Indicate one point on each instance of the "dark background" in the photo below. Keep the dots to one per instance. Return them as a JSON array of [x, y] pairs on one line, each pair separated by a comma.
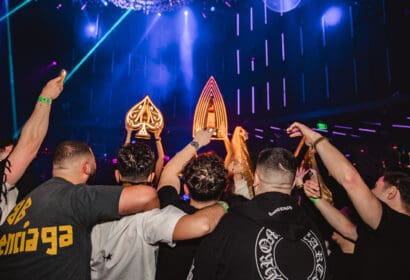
[[359, 79]]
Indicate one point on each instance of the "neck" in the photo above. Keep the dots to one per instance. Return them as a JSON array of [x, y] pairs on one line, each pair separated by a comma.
[[201, 204], [69, 177]]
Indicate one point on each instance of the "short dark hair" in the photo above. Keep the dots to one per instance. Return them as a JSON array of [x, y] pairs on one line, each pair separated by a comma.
[[277, 160], [69, 149], [4, 142], [205, 177], [136, 160], [402, 181]]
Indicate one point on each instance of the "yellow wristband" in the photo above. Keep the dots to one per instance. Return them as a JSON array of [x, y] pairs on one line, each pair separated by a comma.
[[43, 99]]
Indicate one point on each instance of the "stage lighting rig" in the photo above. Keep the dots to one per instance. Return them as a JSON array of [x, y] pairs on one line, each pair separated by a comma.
[[150, 6]]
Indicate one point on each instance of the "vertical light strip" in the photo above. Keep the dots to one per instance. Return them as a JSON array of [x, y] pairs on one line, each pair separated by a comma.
[[302, 79], [284, 91], [384, 11], [283, 46], [238, 65], [267, 96], [327, 82], [323, 32], [253, 100], [11, 74], [356, 86], [238, 101], [265, 12], [301, 40], [237, 25], [129, 63], [351, 22], [266, 53], [252, 64], [251, 18], [388, 66]]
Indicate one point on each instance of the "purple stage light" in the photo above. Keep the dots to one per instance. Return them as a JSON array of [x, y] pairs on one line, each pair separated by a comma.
[[367, 130], [114, 160], [400, 126], [54, 63], [212, 9], [275, 128], [343, 127], [258, 136], [332, 16], [83, 6], [228, 4], [186, 12], [59, 6], [259, 129], [338, 133]]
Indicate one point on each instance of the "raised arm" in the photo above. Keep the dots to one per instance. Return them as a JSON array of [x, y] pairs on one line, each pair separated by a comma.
[[34, 130], [200, 223], [171, 170], [139, 198], [160, 154], [344, 173], [332, 215]]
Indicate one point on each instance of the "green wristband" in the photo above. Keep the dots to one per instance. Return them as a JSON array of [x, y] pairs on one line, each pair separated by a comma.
[[315, 199], [223, 204], [42, 99]]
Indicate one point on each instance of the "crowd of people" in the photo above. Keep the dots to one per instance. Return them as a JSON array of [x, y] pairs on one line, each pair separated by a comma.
[[142, 228]]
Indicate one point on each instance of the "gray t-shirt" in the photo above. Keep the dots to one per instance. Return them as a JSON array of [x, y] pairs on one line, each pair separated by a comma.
[[126, 249]]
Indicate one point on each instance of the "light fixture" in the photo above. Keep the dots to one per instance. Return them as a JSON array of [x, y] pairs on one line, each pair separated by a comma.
[[150, 6]]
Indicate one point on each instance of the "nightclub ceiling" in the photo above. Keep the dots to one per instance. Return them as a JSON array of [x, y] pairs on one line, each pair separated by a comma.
[[343, 64]]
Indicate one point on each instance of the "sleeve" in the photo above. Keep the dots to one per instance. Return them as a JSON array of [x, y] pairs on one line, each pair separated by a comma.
[[385, 221], [168, 196], [210, 255], [159, 225], [93, 204]]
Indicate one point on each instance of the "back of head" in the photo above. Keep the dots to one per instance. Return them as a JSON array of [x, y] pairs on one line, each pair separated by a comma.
[[205, 177], [402, 181], [68, 151], [276, 167], [136, 161]]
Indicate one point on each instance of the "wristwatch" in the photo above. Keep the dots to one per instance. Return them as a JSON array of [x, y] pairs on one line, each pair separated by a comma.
[[194, 144]]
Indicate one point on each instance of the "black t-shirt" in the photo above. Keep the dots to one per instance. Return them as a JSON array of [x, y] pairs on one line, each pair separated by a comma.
[[268, 237], [47, 235], [175, 262], [384, 253]]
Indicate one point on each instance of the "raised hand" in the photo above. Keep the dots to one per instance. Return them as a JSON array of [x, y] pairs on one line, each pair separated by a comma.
[[55, 86], [203, 137], [297, 129]]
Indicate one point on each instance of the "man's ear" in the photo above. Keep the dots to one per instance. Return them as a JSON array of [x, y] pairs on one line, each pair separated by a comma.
[[117, 175], [151, 177], [86, 168], [392, 192], [186, 190]]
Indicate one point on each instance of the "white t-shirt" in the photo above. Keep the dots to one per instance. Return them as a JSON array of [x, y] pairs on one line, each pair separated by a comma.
[[12, 193], [126, 249]]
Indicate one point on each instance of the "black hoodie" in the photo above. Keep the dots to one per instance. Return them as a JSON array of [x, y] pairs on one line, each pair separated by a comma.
[[268, 237]]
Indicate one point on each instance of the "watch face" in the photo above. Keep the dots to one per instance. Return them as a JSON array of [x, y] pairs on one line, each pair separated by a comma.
[[195, 144]]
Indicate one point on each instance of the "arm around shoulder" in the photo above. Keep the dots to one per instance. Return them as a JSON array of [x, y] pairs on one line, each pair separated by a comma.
[[137, 199]]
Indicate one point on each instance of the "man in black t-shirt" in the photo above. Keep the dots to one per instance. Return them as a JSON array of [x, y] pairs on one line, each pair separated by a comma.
[[382, 241], [268, 237], [47, 235], [205, 178]]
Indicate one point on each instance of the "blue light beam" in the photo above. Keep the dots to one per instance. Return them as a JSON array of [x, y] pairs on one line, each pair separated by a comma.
[[14, 10], [90, 52], [11, 73]]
